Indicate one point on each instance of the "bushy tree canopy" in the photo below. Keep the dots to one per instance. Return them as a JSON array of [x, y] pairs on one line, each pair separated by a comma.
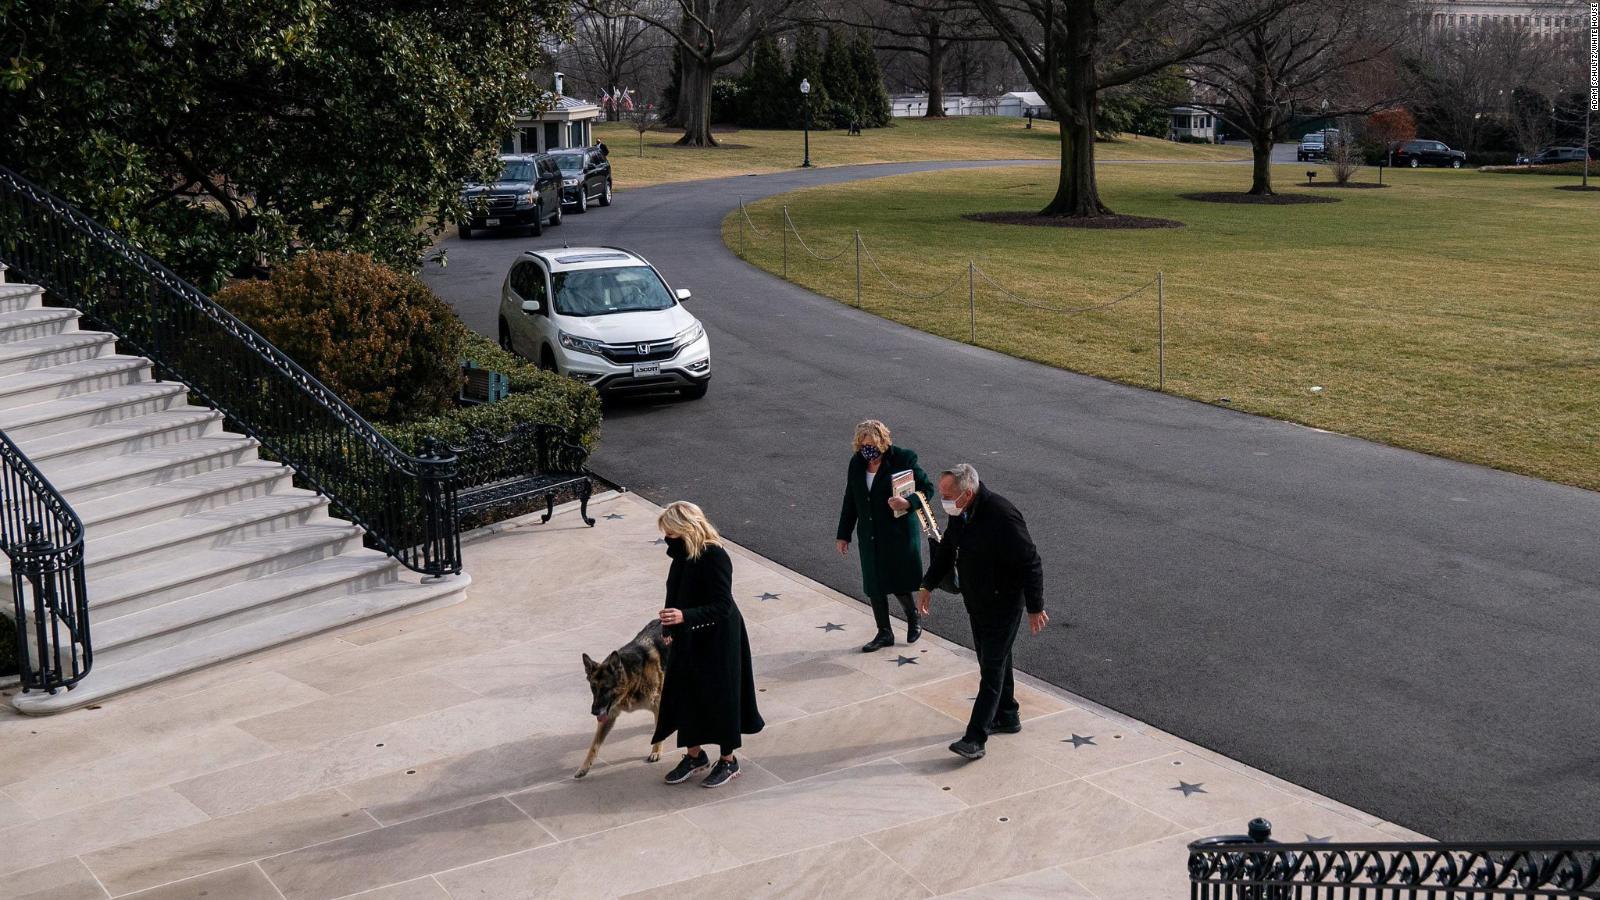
[[226, 136]]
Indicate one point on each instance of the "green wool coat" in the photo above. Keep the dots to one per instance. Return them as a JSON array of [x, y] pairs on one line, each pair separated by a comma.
[[890, 547]]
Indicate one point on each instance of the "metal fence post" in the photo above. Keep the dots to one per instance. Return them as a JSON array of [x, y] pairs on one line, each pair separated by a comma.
[[858, 268], [1161, 334], [972, 305], [786, 242], [741, 219]]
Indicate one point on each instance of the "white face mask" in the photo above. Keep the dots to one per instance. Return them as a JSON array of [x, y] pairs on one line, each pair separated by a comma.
[[950, 508]]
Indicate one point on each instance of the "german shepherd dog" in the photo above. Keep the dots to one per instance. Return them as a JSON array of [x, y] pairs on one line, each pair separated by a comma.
[[629, 679]]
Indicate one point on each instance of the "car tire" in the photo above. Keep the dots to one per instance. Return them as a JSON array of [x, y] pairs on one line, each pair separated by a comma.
[[605, 195], [555, 217], [464, 232], [583, 201], [1455, 163], [537, 227], [505, 337], [1414, 164], [695, 392], [547, 360]]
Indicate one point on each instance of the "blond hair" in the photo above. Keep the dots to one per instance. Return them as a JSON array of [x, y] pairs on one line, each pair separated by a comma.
[[871, 432], [683, 519]]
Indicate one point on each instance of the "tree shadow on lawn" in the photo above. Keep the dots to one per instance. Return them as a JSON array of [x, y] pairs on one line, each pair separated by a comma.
[[1113, 221], [1256, 199]]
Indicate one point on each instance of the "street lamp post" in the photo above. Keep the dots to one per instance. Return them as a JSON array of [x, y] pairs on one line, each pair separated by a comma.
[[805, 100]]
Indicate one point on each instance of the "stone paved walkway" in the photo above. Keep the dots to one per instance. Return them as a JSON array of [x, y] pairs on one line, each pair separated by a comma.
[[431, 757]]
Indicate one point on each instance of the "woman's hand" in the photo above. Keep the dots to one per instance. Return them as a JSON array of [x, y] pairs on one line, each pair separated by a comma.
[[671, 617], [899, 504], [844, 547]]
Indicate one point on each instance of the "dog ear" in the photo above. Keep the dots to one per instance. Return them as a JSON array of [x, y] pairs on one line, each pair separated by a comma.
[[589, 665]]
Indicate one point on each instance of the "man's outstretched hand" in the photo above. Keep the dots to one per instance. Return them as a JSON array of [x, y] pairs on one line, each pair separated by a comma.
[[1037, 621], [924, 601]]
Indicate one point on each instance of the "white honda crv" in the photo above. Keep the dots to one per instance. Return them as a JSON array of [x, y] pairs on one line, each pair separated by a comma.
[[605, 317]]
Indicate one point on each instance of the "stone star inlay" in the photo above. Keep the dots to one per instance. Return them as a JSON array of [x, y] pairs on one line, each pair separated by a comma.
[[768, 595], [904, 661], [660, 540], [1313, 839], [613, 515], [1188, 788], [1080, 740], [831, 627]]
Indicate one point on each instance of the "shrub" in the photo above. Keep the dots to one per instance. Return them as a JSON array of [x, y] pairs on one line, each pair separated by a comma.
[[1573, 168], [8, 646], [378, 338]]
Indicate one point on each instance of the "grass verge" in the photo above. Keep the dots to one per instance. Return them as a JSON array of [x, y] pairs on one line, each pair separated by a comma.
[[1452, 314]]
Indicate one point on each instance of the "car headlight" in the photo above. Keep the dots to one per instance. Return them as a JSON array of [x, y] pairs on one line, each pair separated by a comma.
[[689, 335], [530, 198], [580, 344], [569, 182]]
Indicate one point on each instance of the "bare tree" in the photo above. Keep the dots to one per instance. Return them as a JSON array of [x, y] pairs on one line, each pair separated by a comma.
[[1271, 75], [927, 29], [1071, 50], [1467, 79], [1345, 156], [710, 34], [613, 51]]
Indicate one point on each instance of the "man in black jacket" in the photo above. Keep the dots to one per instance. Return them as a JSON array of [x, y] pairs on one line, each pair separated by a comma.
[[1000, 574]]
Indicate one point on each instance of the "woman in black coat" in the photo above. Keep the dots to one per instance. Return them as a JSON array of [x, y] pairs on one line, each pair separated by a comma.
[[891, 545], [709, 693]]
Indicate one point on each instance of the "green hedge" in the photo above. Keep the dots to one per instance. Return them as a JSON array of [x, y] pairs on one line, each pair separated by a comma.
[[8, 647], [1574, 168], [536, 396]]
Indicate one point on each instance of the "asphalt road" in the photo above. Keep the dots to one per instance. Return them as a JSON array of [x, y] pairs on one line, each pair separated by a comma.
[[1412, 636]]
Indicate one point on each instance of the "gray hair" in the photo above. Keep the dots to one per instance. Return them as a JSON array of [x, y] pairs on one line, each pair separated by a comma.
[[964, 475]]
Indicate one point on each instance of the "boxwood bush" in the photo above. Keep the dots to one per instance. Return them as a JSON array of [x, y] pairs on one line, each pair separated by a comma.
[[8, 646]]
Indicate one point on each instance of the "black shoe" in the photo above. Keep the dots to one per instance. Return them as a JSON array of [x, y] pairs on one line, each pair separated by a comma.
[[969, 749], [723, 772], [884, 639], [687, 767], [913, 631], [1004, 727]]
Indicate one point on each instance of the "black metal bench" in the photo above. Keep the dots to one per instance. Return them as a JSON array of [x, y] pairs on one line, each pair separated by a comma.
[[535, 461]]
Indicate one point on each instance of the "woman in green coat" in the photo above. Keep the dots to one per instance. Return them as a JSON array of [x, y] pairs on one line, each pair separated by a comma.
[[891, 545]]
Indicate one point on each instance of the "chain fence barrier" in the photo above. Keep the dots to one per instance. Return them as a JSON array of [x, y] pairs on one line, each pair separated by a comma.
[[973, 274]]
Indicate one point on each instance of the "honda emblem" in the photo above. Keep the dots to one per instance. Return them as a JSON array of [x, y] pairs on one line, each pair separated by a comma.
[[643, 349]]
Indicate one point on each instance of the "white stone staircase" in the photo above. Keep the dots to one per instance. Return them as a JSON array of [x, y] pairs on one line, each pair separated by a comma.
[[196, 551]]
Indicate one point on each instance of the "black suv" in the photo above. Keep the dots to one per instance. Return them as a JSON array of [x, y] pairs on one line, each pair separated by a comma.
[[1427, 153], [585, 177], [527, 194], [1553, 155]]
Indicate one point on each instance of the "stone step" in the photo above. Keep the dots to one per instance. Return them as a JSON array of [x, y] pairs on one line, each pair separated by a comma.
[[172, 542], [201, 616], [20, 296], [40, 321], [55, 350], [25, 423], [82, 377], [397, 597], [116, 594], [147, 468], [169, 500], [100, 442]]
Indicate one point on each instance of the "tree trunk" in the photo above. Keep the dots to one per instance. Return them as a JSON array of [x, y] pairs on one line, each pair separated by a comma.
[[1076, 193], [694, 103], [936, 51], [1261, 167]]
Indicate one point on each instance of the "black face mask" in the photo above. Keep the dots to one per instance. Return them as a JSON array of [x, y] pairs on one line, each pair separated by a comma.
[[677, 548], [870, 453]]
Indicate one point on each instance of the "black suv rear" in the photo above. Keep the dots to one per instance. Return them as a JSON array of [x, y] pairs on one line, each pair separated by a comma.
[[1427, 153], [585, 178], [527, 194]]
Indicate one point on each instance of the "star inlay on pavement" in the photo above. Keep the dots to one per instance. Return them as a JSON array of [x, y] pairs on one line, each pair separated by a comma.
[[831, 627], [660, 540], [1188, 788], [1080, 740], [614, 515], [904, 661], [768, 595], [1313, 839]]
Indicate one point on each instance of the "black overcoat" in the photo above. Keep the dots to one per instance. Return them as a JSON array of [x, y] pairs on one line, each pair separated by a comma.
[[890, 546], [709, 695], [995, 559]]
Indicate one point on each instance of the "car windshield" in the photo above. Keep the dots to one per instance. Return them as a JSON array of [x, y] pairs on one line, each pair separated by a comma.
[[570, 162], [517, 170], [599, 292], [1312, 140]]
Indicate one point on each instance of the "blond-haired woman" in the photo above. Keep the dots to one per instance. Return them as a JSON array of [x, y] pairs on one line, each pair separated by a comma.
[[709, 694], [890, 547]]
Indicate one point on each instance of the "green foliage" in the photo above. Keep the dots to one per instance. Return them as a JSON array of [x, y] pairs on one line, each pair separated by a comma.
[[1141, 107], [767, 94], [378, 338], [806, 64], [224, 137], [727, 100], [841, 79], [8, 646], [873, 109], [536, 396]]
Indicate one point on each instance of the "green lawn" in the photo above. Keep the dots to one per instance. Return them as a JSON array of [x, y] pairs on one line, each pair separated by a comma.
[[965, 137], [1453, 313]]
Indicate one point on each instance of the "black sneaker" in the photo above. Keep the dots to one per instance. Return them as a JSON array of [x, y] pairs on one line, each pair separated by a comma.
[[723, 772], [884, 639], [968, 749], [1002, 726], [687, 767]]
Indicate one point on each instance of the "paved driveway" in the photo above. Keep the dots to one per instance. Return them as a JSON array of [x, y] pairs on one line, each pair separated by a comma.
[[1409, 635]]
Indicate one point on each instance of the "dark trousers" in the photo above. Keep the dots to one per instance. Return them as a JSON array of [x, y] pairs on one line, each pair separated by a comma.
[[992, 637], [880, 611]]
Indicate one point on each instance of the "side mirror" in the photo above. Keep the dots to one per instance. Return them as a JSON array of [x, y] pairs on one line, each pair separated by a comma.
[[530, 306], [683, 294]]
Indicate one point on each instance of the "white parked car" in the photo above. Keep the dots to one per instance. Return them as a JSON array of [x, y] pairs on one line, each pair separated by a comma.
[[604, 316]]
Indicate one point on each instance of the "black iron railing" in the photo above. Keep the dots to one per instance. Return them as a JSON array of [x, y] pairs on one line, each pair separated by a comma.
[[44, 539], [1254, 867], [534, 461], [405, 503]]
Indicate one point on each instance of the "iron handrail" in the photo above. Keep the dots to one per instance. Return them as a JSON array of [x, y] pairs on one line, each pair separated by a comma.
[[406, 504], [1254, 867], [43, 537]]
